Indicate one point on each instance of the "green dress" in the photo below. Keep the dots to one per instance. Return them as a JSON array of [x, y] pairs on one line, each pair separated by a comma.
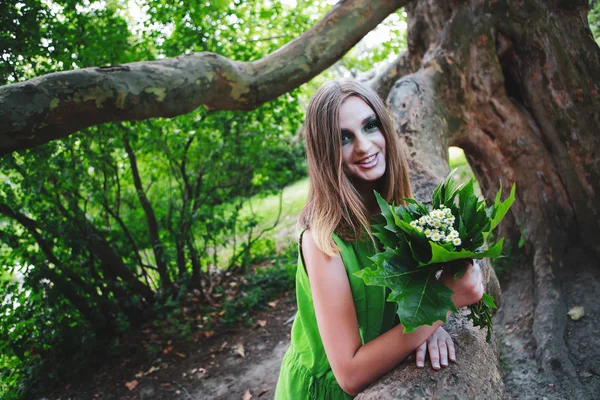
[[305, 370]]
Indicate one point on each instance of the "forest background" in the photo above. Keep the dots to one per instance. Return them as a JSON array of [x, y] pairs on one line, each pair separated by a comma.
[[123, 225]]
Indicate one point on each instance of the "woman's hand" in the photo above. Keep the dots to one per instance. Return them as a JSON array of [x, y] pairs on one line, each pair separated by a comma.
[[440, 347], [468, 289]]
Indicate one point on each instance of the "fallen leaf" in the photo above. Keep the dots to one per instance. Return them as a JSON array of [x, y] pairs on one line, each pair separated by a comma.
[[247, 395], [208, 334], [151, 370], [131, 385], [273, 303], [261, 323], [262, 392], [139, 375], [223, 345], [181, 355], [167, 350], [240, 350], [576, 313]]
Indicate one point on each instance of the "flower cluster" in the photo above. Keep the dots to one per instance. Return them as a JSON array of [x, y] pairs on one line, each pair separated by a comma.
[[438, 226]]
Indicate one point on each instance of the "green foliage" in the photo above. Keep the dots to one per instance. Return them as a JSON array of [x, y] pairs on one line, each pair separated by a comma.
[[74, 227], [594, 19], [411, 254], [262, 285]]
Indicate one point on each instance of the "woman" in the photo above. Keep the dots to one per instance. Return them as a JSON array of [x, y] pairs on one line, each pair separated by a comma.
[[343, 337]]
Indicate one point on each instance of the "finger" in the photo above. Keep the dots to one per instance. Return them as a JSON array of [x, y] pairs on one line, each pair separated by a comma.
[[451, 350], [434, 354], [443, 353], [420, 354]]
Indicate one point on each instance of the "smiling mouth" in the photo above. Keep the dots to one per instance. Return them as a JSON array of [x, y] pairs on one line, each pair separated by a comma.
[[368, 159]]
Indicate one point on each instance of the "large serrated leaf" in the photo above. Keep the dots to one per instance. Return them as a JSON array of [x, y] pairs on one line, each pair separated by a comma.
[[422, 299]]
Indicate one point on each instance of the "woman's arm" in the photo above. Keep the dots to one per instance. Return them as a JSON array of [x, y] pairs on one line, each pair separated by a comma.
[[354, 365]]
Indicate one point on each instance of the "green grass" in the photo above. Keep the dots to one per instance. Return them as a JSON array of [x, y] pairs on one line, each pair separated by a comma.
[[266, 208]]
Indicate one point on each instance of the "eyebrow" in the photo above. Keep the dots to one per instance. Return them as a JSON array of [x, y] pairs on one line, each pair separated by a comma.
[[364, 121]]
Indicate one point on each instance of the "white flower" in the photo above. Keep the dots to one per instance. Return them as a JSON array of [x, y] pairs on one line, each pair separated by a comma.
[[428, 232], [456, 241], [413, 224], [420, 229], [435, 237], [436, 223], [429, 220], [422, 221]]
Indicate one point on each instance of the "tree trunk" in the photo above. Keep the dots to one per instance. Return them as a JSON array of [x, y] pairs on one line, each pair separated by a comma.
[[157, 245], [516, 86]]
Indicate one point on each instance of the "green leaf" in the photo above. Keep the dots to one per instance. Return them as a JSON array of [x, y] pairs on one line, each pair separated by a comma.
[[387, 212], [501, 208], [422, 299], [489, 301]]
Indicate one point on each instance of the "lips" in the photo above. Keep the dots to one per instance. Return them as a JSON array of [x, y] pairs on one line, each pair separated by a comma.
[[368, 162]]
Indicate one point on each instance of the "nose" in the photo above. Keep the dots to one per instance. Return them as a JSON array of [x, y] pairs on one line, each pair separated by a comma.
[[363, 144]]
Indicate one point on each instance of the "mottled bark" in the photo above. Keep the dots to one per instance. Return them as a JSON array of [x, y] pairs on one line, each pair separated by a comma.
[[515, 84], [56, 105]]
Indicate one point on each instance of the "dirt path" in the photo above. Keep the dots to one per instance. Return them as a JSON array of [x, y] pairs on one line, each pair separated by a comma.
[[523, 377], [234, 360]]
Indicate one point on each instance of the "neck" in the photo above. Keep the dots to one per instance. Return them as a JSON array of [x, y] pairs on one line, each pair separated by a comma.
[[366, 192]]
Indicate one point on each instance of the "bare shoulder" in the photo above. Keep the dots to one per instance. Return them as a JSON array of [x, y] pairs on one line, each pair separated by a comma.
[[316, 261]]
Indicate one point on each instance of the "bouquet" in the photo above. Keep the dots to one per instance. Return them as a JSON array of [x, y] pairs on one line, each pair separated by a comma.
[[418, 240]]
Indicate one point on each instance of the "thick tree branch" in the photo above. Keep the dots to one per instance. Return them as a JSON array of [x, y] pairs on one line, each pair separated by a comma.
[[382, 82], [56, 105]]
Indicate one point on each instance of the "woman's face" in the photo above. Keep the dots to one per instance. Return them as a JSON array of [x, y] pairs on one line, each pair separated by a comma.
[[363, 144]]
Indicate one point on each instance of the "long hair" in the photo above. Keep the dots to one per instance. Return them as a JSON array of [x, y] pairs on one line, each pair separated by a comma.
[[334, 204]]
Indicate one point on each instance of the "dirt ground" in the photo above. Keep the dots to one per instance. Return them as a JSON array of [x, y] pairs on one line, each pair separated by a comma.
[[234, 363], [242, 363]]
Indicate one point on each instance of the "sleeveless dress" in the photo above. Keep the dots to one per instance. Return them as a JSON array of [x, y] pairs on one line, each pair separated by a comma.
[[305, 371]]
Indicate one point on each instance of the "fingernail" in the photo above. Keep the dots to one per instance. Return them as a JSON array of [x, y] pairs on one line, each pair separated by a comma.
[[436, 365], [444, 363], [420, 364]]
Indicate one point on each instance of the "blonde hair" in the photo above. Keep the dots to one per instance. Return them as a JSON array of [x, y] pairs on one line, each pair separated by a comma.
[[334, 204]]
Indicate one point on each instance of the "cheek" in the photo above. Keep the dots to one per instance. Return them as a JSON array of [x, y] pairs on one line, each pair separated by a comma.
[[346, 155], [381, 142]]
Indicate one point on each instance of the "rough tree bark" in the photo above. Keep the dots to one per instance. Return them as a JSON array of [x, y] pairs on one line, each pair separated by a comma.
[[515, 84]]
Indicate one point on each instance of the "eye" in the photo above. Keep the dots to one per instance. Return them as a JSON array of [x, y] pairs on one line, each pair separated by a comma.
[[371, 125], [346, 138]]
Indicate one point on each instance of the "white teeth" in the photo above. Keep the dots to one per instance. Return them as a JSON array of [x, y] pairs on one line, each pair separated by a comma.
[[367, 160]]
